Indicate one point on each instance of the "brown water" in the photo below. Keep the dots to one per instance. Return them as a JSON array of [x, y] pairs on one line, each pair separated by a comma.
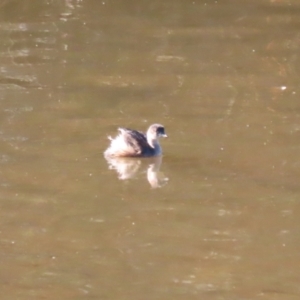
[[217, 217]]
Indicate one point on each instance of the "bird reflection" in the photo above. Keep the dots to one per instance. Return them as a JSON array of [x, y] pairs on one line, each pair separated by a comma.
[[127, 168]]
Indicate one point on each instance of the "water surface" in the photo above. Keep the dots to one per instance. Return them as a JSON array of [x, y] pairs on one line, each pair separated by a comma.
[[217, 217]]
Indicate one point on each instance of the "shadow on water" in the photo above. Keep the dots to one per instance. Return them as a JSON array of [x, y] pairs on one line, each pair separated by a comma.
[[128, 168]]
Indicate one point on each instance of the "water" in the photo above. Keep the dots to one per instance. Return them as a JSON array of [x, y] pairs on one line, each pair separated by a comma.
[[216, 217]]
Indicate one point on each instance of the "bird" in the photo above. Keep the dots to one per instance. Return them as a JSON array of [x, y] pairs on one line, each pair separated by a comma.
[[133, 143]]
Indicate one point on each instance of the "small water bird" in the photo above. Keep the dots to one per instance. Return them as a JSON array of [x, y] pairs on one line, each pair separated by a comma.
[[133, 143]]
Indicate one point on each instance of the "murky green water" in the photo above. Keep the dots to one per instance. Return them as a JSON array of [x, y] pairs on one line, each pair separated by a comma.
[[217, 217]]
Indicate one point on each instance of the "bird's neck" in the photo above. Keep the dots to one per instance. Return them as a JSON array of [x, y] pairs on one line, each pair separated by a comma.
[[152, 142]]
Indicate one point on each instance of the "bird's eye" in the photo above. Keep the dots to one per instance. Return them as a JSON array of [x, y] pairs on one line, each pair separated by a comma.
[[160, 130]]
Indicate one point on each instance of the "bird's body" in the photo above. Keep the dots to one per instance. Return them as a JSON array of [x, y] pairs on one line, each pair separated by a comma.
[[133, 143]]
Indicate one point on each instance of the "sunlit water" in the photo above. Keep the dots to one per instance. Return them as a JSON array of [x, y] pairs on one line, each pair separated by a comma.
[[217, 217]]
